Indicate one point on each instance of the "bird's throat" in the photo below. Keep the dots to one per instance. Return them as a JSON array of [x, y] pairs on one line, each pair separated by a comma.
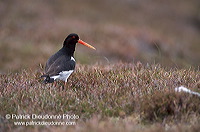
[[69, 49]]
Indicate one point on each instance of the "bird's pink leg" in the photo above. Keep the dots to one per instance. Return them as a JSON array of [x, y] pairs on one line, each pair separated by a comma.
[[55, 83]]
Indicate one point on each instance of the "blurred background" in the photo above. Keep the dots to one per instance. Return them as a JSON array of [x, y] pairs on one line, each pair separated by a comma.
[[150, 31]]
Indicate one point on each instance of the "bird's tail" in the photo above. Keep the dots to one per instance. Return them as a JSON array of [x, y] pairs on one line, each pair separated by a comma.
[[47, 79]]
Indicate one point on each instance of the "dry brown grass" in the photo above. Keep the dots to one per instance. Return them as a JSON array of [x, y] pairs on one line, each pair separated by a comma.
[[110, 97]]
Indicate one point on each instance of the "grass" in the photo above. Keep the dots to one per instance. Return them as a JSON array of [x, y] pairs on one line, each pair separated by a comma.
[[110, 97]]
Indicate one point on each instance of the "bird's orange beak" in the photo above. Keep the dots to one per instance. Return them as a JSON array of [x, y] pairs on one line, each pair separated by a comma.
[[86, 44]]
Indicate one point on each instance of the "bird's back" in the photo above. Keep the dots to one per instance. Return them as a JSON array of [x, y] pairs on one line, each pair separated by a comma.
[[52, 59], [59, 62]]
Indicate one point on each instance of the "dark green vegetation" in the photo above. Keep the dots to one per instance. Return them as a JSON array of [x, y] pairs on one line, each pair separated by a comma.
[[121, 95], [112, 96]]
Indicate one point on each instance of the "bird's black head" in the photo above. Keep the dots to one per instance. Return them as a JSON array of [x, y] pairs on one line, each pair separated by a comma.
[[71, 39], [70, 43]]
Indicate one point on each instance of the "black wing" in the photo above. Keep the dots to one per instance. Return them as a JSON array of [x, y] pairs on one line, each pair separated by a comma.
[[63, 63], [51, 60]]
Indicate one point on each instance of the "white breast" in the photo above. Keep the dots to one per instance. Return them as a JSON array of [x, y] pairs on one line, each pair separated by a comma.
[[72, 58], [64, 75]]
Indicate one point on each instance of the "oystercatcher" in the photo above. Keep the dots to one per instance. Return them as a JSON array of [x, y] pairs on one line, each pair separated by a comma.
[[61, 65]]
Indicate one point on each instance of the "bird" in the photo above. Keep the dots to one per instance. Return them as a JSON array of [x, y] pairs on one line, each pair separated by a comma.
[[62, 64]]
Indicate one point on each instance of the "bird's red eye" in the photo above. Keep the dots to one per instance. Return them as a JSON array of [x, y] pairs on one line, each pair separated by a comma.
[[73, 37]]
